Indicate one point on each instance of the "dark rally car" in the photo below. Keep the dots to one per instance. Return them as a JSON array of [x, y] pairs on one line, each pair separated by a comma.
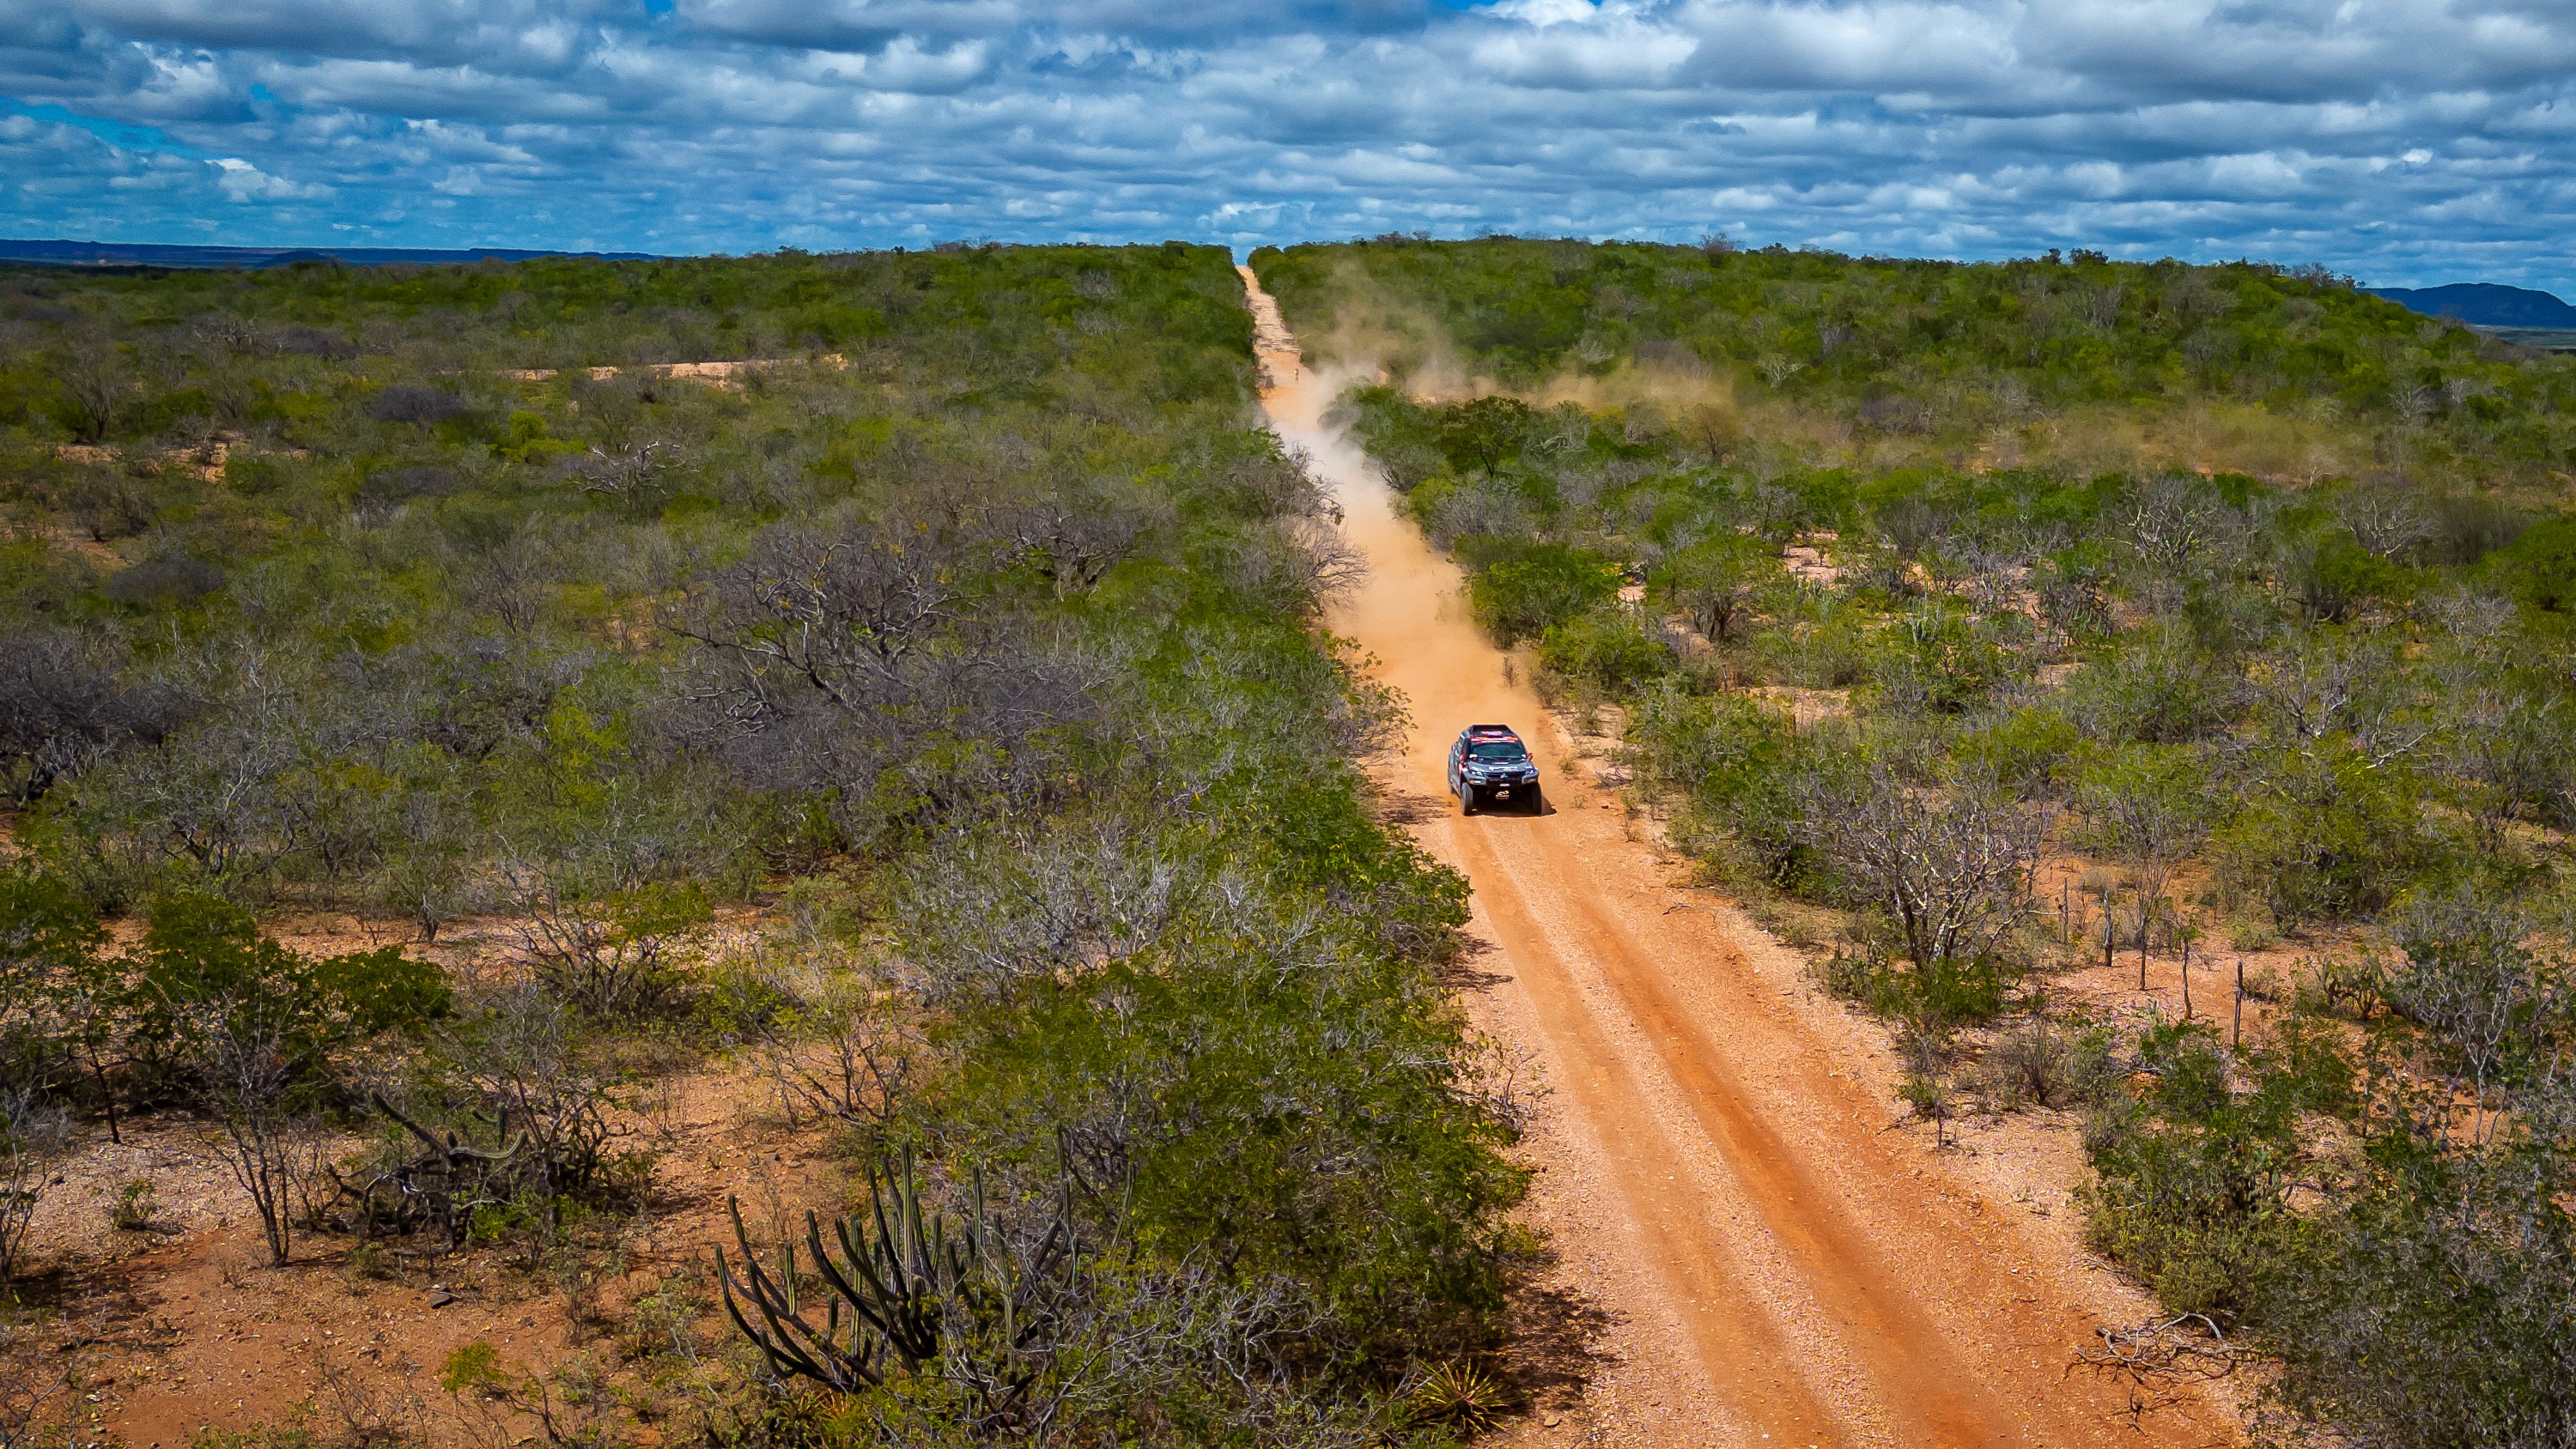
[[1490, 763]]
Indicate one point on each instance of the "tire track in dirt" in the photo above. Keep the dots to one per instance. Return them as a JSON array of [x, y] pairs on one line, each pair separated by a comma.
[[1738, 1346], [1783, 1267]]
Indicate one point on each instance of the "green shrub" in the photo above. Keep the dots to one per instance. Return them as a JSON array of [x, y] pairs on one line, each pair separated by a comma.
[[1520, 589], [2539, 568], [2332, 576], [1606, 650], [1736, 762], [1482, 434], [203, 953], [2158, 690], [2323, 835], [2432, 1310], [2029, 747], [135, 1208], [1938, 658], [2193, 1183]]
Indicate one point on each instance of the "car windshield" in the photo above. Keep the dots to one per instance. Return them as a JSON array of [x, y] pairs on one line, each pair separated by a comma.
[[1497, 750]]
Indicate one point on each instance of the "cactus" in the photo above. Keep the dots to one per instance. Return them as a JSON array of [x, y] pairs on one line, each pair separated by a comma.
[[908, 1293], [1460, 1394]]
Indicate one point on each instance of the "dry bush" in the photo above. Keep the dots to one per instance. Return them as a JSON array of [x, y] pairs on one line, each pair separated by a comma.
[[1949, 865], [39, 1392], [850, 1053], [618, 955], [512, 1117], [2030, 1066], [33, 1132], [272, 1150]]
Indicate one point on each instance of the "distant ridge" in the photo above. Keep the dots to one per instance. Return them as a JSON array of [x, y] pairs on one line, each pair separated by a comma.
[[2483, 304], [129, 254]]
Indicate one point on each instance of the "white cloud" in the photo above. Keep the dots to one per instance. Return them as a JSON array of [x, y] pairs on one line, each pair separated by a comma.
[[2403, 139], [241, 181]]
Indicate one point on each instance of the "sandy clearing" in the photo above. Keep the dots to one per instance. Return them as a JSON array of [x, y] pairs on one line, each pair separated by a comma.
[[1718, 1163]]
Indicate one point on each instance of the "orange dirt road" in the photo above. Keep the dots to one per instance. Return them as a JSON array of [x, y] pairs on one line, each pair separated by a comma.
[[1717, 1169]]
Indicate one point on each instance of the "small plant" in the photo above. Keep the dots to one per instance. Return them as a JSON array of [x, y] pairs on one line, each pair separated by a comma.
[[1926, 1085], [135, 1208], [367, 1259], [1929, 1095], [1460, 1394], [472, 1368], [2252, 932], [1853, 978], [661, 1322], [567, 1405], [2341, 986]]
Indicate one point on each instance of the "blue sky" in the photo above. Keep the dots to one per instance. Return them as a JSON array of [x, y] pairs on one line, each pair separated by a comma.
[[2405, 141]]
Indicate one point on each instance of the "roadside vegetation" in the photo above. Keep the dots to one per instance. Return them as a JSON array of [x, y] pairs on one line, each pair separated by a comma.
[[2000, 630], [926, 724]]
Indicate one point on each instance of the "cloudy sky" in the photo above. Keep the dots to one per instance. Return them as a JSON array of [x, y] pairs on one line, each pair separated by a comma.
[[2406, 141]]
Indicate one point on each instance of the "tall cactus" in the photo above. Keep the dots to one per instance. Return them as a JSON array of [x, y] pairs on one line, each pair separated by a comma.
[[906, 1294]]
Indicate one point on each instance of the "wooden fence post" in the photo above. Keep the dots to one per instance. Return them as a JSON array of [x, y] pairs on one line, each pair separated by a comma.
[[2236, 1036], [2142, 942]]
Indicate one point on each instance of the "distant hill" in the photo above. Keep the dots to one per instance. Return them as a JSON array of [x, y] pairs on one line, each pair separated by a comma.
[[125, 254], [2484, 304]]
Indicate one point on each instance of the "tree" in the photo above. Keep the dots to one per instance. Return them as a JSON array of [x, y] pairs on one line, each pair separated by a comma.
[[2464, 971], [1716, 430], [1718, 581], [48, 938], [403, 403], [62, 995], [2320, 834], [256, 1031], [62, 708], [1520, 589], [2539, 567], [210, 981], [2150, 806], [639, 477], [1949, 862], [1077, 536], [2511, 748], [1481, 435], [872, 661], [108, 500], [2428, 1306], [99, 392]]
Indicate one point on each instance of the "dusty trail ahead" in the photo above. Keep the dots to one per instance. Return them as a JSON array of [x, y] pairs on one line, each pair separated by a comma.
[[1715, 1161]]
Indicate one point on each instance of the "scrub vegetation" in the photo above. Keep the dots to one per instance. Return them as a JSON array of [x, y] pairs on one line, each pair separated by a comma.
[[1988, 624], [925, 721]]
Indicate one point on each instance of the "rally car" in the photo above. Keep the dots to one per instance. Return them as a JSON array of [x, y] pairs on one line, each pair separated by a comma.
[[1489, 763]]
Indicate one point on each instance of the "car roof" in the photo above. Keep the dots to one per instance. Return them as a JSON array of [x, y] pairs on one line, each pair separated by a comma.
[[1488, 732]]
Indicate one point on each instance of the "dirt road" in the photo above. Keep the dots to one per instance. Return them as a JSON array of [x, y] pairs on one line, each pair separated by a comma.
[[1717, 1162]]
